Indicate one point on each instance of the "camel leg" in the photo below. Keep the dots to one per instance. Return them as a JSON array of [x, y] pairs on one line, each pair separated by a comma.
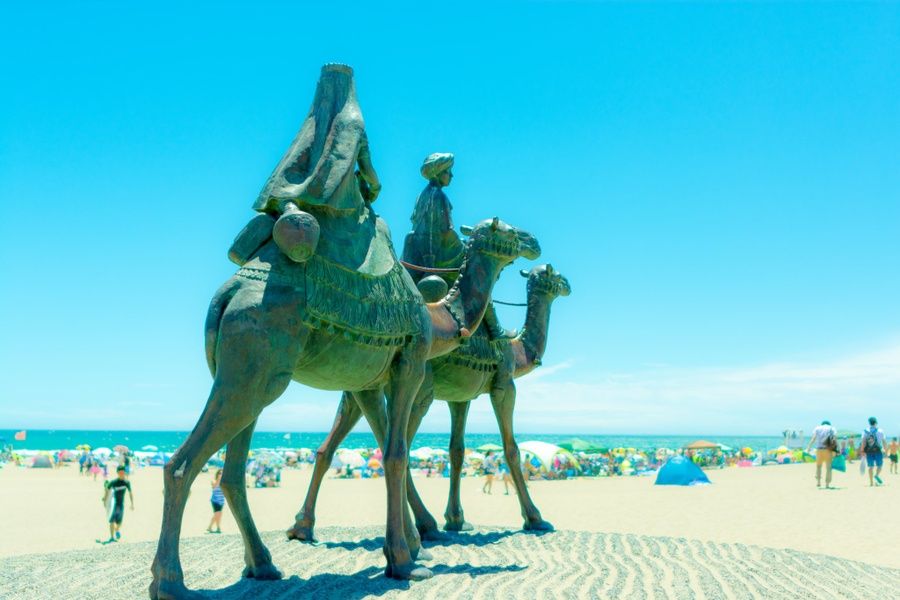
[[348, 415], [248, 378], [454, 513], [228, 412], [406, 377], [503, 399], [256, 556], [371, 402], [425, 523]]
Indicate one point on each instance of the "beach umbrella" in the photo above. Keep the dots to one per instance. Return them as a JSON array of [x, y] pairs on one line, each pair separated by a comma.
[[121, 449], [349, 457], [423, 453], [150, 448], [489, 447], [439, 452], [374, 464], [725, 448], [478, 456], [580, 445], [86, 447], [701, 445], [102, 451]]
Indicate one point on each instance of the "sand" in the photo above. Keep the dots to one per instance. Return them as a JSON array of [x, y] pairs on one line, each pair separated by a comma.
[[754, 532]]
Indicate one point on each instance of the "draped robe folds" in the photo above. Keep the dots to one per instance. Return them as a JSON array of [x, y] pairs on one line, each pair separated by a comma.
[[432, 241]]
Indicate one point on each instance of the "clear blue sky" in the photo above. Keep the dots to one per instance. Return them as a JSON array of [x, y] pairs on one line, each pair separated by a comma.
[[721, 184]]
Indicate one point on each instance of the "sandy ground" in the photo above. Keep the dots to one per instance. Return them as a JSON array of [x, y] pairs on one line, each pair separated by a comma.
[[488, 564], [778, 507]]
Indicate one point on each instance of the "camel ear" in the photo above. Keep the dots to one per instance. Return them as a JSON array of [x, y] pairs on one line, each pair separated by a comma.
[[495, 223], [549, 269], [524, 273], [465, 230]]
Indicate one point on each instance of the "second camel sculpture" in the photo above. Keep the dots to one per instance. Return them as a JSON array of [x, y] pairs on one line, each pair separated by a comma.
[[481, 365]]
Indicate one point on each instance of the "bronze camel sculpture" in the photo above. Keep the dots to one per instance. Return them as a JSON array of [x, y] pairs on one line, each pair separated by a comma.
[[323, 301]]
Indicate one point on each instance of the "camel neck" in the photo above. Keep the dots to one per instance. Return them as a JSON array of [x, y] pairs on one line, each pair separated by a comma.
[[537, 324], [471, 292]]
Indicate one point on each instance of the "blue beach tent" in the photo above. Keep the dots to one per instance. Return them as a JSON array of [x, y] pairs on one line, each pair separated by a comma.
[[679, 470]]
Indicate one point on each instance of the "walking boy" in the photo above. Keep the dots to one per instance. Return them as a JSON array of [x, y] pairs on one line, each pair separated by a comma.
[[117, 487]]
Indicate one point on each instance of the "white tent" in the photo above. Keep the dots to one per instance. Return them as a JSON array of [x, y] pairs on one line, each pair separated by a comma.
[[544, 451]]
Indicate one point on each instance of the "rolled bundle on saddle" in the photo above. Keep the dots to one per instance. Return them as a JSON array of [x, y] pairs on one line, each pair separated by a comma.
[[296, 233]]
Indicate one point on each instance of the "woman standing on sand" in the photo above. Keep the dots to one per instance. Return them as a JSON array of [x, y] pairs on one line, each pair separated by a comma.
[[490, 469], [218, 503]]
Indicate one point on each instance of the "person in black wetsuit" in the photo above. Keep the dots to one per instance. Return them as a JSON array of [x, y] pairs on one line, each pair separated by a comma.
[[117, 487]]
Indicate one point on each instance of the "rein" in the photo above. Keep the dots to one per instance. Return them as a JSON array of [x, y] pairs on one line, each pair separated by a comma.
[[427, 269], [451, 270]]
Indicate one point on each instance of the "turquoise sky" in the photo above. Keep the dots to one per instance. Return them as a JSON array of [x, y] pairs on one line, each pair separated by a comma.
[[720, 183]]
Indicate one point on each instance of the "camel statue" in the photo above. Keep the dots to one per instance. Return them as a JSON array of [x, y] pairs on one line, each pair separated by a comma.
[[321, 299], [479, 366]]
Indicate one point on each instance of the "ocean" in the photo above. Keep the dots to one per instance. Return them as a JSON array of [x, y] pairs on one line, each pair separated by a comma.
[[37, 439]]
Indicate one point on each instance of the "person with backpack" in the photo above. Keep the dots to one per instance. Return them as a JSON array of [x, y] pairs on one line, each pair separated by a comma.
[[825, 438], [874, 446]]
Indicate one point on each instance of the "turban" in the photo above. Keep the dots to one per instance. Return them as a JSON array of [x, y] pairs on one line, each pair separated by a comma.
[[436, 164]]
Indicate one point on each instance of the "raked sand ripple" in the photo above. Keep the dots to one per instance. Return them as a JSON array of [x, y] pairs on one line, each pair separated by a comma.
[[489, 563]]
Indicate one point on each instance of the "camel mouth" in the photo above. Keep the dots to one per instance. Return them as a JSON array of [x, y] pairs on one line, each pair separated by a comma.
[[529, 248]]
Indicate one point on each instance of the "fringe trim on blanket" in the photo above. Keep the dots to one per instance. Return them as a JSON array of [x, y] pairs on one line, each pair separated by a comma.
[[371, 310]]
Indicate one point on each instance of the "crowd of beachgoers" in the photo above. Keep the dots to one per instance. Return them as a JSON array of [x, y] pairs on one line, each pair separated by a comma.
[[539, 460]]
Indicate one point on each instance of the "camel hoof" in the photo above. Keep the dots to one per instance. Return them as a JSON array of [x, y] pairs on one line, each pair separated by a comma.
[[458, 526], [263, 572], [409, 572], [539, 525], [172, 590], [433, 535], [301, 533], [424, 554]]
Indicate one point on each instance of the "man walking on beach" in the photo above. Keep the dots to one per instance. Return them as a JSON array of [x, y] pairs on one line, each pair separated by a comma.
[[825, 438], [874, 446], [117, 487]]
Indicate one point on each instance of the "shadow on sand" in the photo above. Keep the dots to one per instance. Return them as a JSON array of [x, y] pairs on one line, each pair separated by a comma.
[[454, 539], [362, 584]]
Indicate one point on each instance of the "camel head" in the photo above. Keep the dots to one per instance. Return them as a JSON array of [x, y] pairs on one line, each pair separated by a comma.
[[495, 238], [546, 281]]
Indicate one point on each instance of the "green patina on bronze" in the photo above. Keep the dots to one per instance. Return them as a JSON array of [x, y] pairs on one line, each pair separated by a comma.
[[433, 242], [324, 303]]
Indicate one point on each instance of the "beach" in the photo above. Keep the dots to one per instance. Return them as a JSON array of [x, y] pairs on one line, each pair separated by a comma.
[[772, 507]]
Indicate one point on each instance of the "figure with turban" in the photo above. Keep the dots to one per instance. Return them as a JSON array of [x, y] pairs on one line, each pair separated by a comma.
[[433, 243]]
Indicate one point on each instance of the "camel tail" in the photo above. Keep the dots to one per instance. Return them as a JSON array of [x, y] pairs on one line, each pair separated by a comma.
[[217, 307]]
